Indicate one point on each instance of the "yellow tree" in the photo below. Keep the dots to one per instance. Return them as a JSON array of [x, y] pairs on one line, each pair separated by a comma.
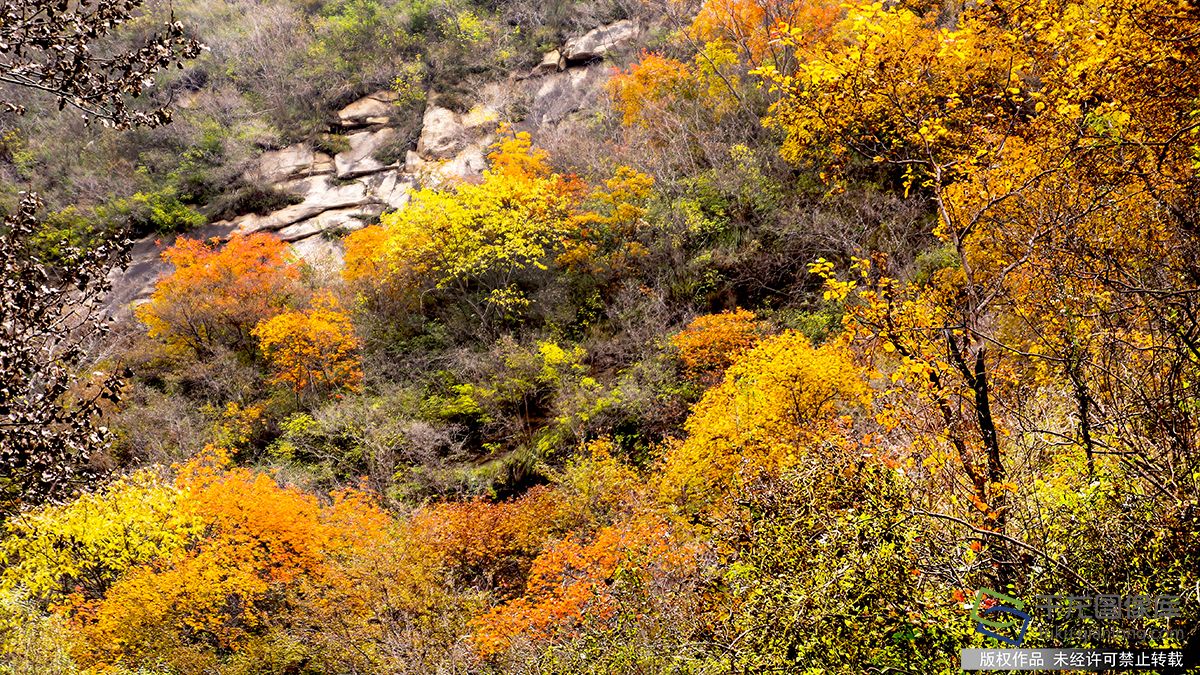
[[781, 403], [1054, 141], [479, 241], [313, 351]]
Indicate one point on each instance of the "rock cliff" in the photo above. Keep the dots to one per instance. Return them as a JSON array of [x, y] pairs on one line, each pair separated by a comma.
[[374, 170]]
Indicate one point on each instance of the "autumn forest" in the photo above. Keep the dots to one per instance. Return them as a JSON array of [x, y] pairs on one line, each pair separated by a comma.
[[607, 336]]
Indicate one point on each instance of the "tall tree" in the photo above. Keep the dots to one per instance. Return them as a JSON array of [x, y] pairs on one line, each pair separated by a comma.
[[50, 309]]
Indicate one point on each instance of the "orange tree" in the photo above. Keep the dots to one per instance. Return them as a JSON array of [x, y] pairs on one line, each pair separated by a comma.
[[710, 343], [677, 102], [217, 294]]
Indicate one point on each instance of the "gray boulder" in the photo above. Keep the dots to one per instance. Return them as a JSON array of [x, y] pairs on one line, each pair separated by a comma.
[[371, 109], [359, 159], [596, 43], [276, 166], [552, 62], [442, 133], [558, 95]]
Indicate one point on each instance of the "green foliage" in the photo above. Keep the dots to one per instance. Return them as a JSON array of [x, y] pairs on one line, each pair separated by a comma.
[[931, 260], [818, 324], [33, 643], [160, 212], [833, 561], [68, 228]]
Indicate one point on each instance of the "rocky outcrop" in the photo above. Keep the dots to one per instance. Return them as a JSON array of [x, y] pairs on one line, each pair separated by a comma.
[[595, 44], [323, 194], [441, 133], [370, 110], [558, 95], [275, 166], [552, 62], [445, 133], [390, 189], [360, 159], [343, 192]]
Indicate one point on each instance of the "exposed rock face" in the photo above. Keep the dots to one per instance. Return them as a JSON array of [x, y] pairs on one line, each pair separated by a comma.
[[596, 43], [359, 160], [135, 283], [390, 188], [324, 194], [375, 108], [275, 166], [445, 133], [560, 94], [335, 221], [552, 62], [441, 133]]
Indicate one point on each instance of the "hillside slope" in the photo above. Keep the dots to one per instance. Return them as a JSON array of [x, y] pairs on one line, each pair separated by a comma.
[[727, 336]]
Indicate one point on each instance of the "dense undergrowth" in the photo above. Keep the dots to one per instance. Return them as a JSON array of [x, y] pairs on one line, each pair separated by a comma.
[[865, 308]]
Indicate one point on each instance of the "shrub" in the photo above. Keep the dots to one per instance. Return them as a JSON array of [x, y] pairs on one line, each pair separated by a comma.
[[776, 405], [250, 198], [159, 212], [710, 343]]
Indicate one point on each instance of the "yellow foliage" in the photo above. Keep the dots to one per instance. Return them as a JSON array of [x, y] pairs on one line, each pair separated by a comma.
[[470, 235], [313, 350], [775, 407], [84, 546]]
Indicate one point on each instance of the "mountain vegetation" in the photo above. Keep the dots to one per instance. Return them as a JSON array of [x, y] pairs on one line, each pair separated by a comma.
[[807, 321]]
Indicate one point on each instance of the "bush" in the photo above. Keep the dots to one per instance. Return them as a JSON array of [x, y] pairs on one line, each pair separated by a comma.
[[709, 344], [250, 198], [159, 212]]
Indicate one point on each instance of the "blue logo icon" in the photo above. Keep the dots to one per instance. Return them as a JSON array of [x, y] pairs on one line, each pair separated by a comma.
[[1000, 616]]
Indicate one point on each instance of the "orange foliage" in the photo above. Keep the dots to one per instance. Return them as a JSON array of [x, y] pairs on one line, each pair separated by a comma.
[[751, 25], [362, 247], [313, 350], [514, 156], [259, 538], [731, 39], [568, 584], [710, 343], [655, 78], [492, 539], [606, 239], [217, 294]]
